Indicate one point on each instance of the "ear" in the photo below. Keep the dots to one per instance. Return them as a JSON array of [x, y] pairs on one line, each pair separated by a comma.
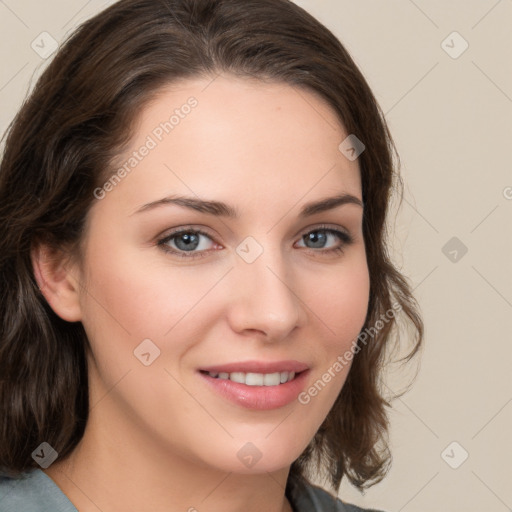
[[53, 271]]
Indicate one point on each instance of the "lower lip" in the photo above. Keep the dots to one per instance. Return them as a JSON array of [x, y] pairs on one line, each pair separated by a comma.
[[258, 397]]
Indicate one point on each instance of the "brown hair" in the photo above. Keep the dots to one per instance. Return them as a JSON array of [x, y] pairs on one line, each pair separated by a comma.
[[60, 146]]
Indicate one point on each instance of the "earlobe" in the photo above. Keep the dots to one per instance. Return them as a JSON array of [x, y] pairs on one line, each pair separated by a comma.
[[53, 272]]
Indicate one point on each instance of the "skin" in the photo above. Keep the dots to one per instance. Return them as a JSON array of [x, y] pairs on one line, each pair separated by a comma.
[[158, 438]]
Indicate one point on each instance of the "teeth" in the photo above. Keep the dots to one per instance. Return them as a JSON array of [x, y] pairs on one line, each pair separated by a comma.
[[272, 379], [236, 377], [256, 379]]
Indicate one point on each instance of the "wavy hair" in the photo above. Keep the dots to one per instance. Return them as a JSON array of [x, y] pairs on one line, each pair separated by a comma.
[[60, 147]]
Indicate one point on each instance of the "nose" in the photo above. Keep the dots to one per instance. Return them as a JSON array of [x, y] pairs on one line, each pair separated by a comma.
[[264, 299]]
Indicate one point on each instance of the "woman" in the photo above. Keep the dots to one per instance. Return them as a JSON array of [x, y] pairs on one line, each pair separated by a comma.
[[197, 295]]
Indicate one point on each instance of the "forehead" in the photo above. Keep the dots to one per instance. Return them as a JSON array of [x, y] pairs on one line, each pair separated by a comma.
[[227, 135]]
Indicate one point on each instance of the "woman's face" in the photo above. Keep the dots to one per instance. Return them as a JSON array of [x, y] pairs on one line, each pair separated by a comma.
[[242, 291]]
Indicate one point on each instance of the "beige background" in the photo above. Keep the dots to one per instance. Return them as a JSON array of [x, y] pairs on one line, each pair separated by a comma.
[[452, 122]]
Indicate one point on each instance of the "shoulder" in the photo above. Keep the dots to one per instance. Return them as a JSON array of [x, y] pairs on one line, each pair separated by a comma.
[[33, 491], [306, 497]]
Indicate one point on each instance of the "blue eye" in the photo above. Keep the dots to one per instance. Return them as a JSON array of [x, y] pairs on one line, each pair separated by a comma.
[[185, 240], [319, 238], [193, 243]]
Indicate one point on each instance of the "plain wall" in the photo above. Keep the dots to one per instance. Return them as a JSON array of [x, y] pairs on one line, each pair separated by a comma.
[[451, 118]]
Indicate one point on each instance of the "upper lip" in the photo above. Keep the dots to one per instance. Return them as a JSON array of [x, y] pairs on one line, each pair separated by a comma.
[[258, 367]]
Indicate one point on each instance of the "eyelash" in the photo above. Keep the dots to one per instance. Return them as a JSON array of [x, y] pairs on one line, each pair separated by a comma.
[[344, 237]]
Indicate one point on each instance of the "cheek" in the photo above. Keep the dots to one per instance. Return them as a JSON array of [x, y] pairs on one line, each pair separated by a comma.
[[130, 288], [131, 296], [341, 305], [341, 301]]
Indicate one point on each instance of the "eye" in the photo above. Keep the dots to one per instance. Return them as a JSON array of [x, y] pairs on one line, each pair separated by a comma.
[[194, 243], [191, 241], [320, 237]]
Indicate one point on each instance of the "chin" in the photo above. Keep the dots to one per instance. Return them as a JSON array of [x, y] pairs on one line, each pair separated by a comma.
[[256, 454]]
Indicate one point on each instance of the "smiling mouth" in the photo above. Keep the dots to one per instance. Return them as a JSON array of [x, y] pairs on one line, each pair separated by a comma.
[[255, 379]]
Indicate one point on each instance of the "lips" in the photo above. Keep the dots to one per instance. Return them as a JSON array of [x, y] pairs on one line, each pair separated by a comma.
[[257, 384]]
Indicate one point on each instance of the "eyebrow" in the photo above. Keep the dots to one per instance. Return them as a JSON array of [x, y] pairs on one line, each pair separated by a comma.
[[221, 209]]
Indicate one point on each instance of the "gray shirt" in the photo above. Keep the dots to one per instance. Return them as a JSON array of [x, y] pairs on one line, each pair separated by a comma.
[[35, 491]]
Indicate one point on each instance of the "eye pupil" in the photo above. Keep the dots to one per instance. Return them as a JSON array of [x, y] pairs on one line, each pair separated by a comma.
[[189, 240], [318, 238]]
